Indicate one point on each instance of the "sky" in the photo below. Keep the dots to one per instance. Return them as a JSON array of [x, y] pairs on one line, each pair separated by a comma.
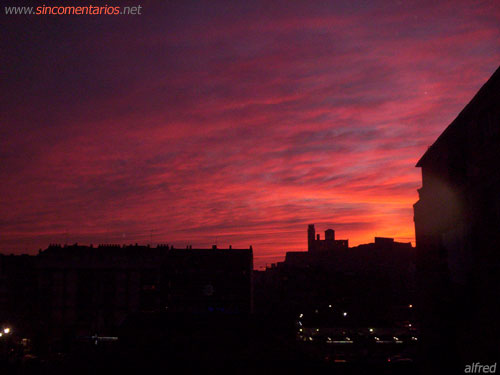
[[230, 123]]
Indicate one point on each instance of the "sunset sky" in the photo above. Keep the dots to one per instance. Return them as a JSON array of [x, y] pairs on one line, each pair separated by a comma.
[[236, 122]]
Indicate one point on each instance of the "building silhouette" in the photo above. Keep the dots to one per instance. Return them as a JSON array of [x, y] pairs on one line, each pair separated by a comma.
[[78, 291], [315, 244], [380, 273], [131, 306], [457, 227], [18, 292]]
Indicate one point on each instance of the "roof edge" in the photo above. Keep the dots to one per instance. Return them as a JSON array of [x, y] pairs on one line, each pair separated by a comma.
[[495, 76]]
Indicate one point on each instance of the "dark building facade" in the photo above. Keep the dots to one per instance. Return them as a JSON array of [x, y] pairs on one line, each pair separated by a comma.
[[18, 293], [457, 227], [85, 290]]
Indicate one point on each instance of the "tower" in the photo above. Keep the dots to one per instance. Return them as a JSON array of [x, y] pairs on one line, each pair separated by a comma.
[[311, 232], [330, 235]]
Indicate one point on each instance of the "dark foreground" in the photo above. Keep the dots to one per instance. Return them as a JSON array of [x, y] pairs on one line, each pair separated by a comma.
[[205, 344]]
